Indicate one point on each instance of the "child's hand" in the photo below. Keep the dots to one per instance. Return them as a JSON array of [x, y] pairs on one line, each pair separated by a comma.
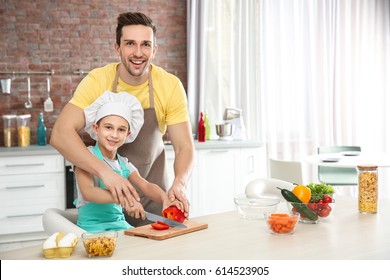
[[136, 211]]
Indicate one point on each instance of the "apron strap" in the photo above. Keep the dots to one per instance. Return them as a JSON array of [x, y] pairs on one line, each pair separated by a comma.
[[115, 83], [151, 95]]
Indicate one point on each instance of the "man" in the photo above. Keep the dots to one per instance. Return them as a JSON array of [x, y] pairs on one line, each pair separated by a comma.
[[165, 107]]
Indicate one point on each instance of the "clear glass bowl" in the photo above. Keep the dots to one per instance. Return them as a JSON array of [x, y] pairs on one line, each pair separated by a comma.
[[100, 244], [254, 208], [312, 213], [281, 223]]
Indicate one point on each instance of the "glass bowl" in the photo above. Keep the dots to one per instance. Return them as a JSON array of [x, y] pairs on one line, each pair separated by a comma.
[[254, 208], [281, 223], [100, 244], [314, 211]]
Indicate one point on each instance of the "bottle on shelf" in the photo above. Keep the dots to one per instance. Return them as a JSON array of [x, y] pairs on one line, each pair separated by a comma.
[[41, 131], [207, 123], [201, 129]]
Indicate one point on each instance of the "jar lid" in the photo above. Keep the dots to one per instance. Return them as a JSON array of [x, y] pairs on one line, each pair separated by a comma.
[[9, 116], [367, 167]]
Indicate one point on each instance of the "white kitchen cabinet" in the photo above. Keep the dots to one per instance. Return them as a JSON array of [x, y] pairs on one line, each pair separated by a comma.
[[217, 179], [253, 165], [30, 183], [222, 169], [191, 190]]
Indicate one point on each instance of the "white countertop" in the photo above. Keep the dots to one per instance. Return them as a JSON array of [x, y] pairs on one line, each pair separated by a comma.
[[29, 150], [219, 144], [346, 234]]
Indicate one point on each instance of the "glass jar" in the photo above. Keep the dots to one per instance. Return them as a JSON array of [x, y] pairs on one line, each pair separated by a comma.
[[9, 130], [368, 188], [23, 122]]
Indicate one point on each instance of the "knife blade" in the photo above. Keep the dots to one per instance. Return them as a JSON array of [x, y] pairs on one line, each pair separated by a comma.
[[156, 218]]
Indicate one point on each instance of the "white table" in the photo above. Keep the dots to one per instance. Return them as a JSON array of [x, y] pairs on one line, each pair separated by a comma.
[[346, 234], [382, 160], [379, 159]]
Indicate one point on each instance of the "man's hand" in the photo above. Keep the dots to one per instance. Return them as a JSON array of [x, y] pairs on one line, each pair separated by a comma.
[[178, 193], [121, 189]]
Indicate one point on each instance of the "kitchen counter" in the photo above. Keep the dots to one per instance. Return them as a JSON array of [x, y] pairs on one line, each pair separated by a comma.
[[27, 151], [219, 144], [346, 234]]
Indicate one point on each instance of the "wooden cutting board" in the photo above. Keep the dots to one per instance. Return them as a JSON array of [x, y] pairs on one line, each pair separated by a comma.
[[149, 232]]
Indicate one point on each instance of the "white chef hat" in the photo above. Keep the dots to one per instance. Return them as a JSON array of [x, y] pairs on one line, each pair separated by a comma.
[[120, 104]]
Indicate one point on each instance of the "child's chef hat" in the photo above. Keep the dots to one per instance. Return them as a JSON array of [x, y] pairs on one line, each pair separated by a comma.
[[120, 104]]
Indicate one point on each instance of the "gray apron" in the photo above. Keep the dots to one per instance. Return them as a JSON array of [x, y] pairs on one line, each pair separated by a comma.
[[147, 154]]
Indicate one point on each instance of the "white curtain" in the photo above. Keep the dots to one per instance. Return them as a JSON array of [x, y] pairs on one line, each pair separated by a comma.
[[305, 73]]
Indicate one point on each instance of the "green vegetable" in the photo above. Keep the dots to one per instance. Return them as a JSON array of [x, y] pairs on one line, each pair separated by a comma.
[[289, 196], [318, 190], [295, 202]]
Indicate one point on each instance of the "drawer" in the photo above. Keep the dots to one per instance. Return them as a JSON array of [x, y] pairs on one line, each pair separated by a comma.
[[14, 188], [26, 215], [31, 164]]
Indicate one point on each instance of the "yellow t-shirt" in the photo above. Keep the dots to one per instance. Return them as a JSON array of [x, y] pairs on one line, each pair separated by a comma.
[[170, 100]]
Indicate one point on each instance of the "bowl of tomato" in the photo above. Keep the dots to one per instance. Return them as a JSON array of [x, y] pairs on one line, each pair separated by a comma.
[[318, 208]]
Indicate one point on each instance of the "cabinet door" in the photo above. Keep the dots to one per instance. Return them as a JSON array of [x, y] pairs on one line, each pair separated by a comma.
[[191, 191], [217, 177], [253, 166], [31, 164]]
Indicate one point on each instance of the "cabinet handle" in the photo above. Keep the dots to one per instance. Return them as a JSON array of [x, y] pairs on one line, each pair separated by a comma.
[[26, 164], [24, 187], [251, 164], [26, 215]]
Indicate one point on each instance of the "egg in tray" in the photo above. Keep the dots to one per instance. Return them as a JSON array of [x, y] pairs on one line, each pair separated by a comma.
[[59, 245]]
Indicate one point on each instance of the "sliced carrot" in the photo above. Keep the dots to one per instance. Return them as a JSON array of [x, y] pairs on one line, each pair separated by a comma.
[[281, 223]]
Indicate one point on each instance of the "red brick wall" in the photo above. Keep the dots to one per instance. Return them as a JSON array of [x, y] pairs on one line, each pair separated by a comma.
[[68, 35]]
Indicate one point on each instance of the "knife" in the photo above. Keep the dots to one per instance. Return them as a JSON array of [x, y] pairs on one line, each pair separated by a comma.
[[156, 218]]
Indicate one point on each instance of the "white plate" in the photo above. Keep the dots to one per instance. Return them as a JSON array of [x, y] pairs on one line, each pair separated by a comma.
[[330, 159], [351, 153]]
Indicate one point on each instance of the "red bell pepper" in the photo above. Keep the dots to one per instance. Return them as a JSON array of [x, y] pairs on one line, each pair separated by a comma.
[[160, 225], [173, 213]]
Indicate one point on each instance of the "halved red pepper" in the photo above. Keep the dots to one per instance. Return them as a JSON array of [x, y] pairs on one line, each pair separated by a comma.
[[173, 213], [160, 225]]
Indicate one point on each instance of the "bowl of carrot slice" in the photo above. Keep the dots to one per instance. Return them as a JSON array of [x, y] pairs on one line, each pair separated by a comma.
[[281, 223]]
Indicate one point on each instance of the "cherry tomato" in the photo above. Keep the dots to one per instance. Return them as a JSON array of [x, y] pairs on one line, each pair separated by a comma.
[[312, 206], [324, 212], [327, 199], [173, 213], [160, 226]]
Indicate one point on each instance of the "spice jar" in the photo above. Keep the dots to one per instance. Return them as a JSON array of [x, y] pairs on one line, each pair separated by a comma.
[[9, 130], [368, 188], [23, 122]]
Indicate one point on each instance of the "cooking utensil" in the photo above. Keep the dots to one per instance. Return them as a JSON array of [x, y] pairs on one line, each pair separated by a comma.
[[224, 131], [6, 86], [48, 104], [28, 104], [157, 218]]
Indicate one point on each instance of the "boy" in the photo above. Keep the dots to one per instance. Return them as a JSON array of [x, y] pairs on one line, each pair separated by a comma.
[[112, 120]]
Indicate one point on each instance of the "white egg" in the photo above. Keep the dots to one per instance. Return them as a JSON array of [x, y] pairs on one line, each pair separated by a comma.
[[67, 240], [49, 244], [53, 236]]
